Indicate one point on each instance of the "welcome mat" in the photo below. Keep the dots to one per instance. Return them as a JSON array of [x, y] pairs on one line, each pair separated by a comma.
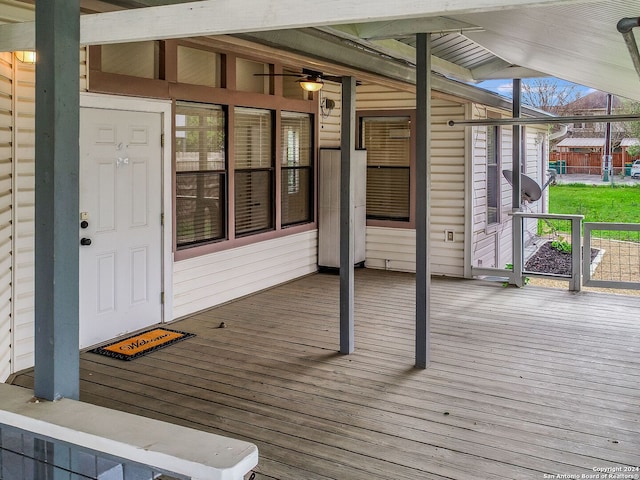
[[142, 343]]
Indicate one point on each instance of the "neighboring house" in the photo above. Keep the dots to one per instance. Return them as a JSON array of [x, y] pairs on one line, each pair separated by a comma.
[[202, 176], [595, 103]]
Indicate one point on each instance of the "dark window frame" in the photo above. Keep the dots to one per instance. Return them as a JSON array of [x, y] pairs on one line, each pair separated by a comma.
[[300, 170], [201, 173], [405, 222]]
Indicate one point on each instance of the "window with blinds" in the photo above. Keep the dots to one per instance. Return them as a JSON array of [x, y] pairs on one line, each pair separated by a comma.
[[201, 174], [296, 167], [493, 175], [253, 170], [388, 144]]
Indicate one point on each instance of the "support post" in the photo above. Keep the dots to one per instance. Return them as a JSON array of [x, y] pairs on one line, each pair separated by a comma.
[[57, 364], [575, 284], [423, 179], [517, 237], [347, 148]]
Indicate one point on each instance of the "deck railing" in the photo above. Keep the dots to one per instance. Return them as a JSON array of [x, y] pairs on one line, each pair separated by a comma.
[[528, 237], [559, 232], [616, 263], [68, 439]]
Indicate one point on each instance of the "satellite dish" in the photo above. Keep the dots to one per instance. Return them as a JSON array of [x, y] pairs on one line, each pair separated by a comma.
[[530, 189]]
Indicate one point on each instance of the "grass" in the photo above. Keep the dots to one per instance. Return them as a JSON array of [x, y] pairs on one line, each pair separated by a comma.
[[597, 203]]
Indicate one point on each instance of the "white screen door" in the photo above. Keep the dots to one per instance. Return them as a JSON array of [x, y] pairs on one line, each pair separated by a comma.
[[120, 223]]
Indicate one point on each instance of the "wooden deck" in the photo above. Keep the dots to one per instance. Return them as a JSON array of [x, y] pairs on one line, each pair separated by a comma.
[[522, 383]]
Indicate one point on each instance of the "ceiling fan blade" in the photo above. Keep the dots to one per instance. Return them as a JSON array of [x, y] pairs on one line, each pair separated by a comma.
[[279, 75]]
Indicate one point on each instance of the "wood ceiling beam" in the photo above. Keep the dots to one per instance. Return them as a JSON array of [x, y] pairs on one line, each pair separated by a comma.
[[401, 51], [403, 28], [499, 69], [216, 17]]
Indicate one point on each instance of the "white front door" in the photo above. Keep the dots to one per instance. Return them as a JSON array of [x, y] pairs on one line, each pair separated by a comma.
[[120, 223]]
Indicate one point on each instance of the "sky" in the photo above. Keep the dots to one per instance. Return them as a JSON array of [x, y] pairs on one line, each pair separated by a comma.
[[504, 87]]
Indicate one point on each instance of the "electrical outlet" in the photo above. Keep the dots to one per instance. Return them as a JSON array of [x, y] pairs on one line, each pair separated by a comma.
[[448, 236]]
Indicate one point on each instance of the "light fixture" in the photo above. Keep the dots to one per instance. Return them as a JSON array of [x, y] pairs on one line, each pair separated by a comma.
[[311, 83], [326, 106], [26, 56]]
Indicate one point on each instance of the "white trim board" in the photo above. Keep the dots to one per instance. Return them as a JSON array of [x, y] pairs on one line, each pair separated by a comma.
[[220, 17]]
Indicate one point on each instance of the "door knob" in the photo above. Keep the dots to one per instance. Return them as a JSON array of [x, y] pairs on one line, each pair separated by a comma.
[[85, 241]]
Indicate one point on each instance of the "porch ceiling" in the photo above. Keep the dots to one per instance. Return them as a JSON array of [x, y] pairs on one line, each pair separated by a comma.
[[573, 40], [576, 40]]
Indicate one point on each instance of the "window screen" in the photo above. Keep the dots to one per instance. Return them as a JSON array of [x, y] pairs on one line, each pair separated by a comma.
[[388, 144], [296, 167], [201, 174], [253, 170]]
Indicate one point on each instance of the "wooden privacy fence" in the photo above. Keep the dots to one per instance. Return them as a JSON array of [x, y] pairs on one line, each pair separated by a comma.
[[587, 163]]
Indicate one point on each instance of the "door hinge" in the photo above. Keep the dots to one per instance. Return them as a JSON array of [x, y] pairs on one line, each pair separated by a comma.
[[162, 298], [162, 219], [162, 139]]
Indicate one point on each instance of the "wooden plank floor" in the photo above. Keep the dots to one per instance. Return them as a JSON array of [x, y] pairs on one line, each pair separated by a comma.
[[522, 382]]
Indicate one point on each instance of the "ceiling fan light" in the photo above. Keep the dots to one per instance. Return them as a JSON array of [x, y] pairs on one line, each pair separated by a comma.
[[311, 84]]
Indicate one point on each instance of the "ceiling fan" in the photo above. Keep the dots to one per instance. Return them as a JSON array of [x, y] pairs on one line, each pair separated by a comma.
[[309, 80]]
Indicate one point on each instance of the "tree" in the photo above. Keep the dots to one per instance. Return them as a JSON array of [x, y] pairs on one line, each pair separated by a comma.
[[633, 128], [550, 95]]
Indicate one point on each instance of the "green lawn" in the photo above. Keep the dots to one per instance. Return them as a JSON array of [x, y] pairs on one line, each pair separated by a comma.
[[597, 204]]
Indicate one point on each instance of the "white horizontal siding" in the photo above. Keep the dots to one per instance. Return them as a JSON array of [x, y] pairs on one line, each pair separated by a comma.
[[329, 135], [24, 199], [492, 246], [16, 11], [447, 189], [377, 97], [209, 280], [24, 205], [395, 249], [6, 161]]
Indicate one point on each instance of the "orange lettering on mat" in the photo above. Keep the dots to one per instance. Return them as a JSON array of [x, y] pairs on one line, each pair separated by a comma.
[[140, 343]]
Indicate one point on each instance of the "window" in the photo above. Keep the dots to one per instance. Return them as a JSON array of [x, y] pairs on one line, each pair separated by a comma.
[[201, 174], [493, 175], [388, 144], [253, 170], [296, 168]]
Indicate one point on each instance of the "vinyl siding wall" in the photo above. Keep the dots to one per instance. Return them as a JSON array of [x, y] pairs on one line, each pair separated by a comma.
[[208, 280], [6, 166], [24, 198], [394, 248], [17, 237], [491, 244]]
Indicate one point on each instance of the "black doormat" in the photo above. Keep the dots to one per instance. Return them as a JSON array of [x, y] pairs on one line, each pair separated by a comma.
[[142, 343]]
